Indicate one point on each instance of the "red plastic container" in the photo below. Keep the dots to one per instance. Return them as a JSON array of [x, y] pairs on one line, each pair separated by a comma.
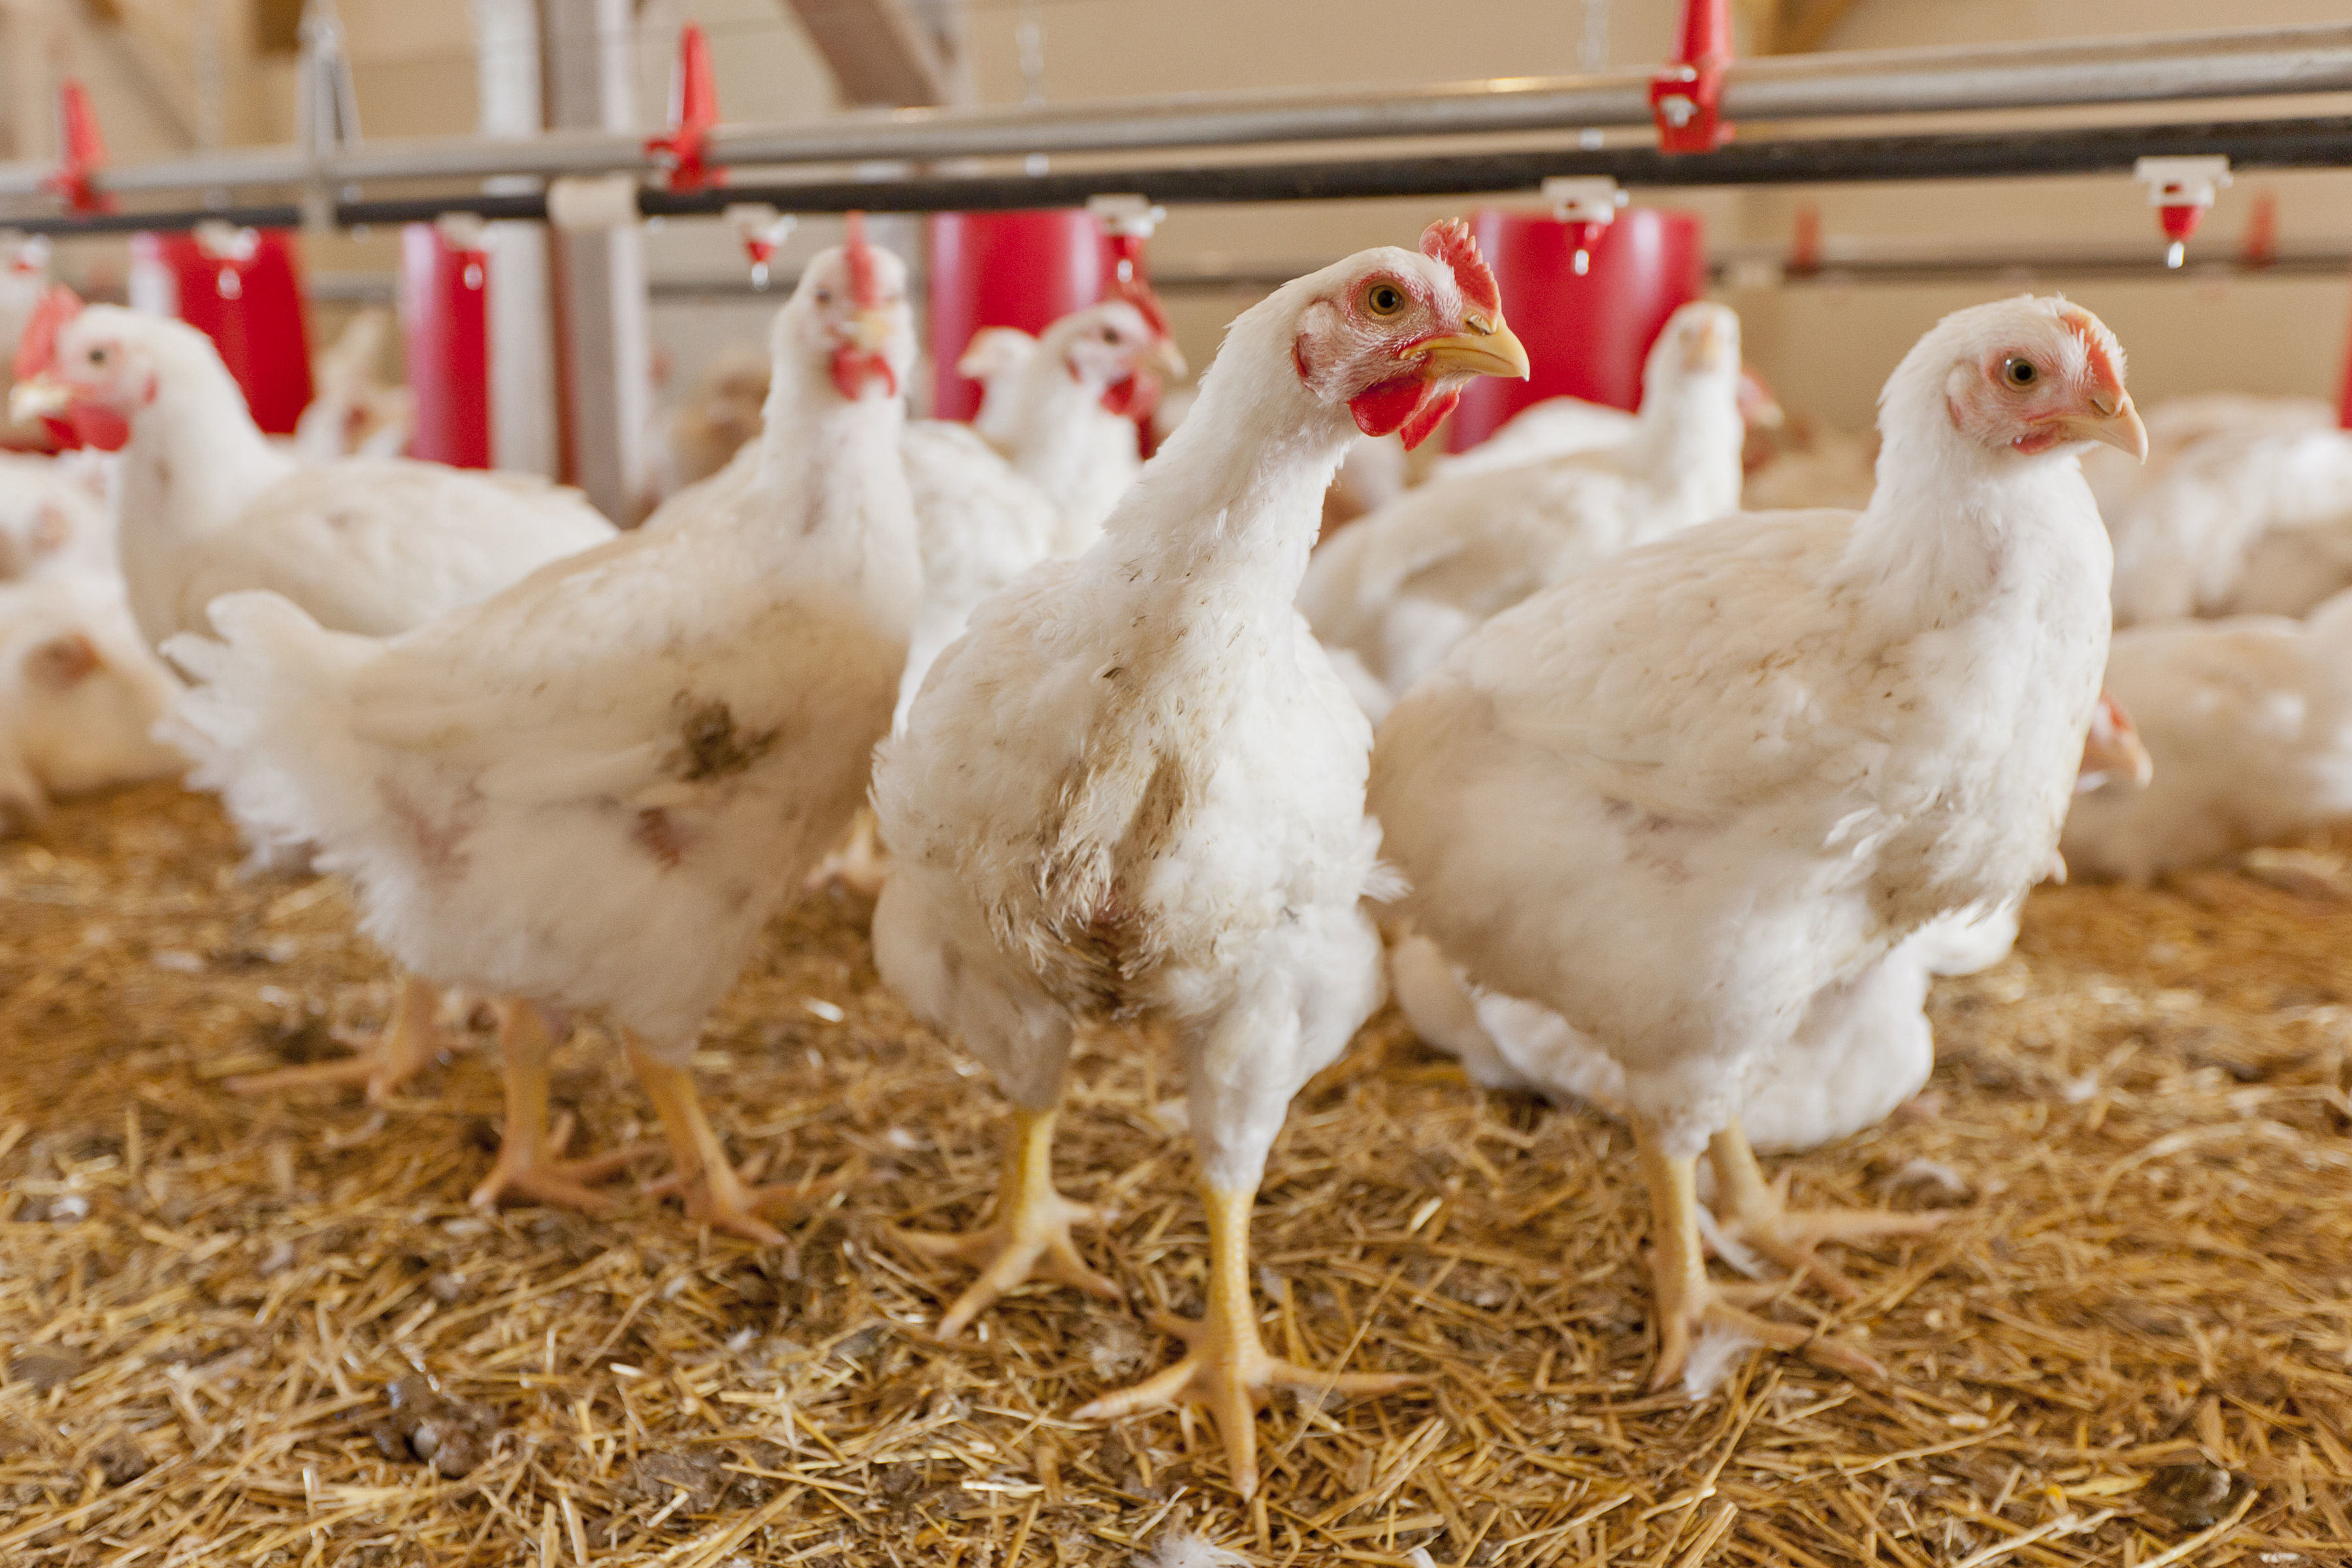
[[245, 295], [444, 324], [1586, 337], [1023, 269]]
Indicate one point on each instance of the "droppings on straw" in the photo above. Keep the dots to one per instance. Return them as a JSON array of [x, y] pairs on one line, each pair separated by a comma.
[[1718, 1354]]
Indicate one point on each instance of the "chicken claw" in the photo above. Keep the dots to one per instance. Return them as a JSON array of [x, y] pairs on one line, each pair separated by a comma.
[[713, 1193], [1686, 1301], [1756, 1211], [1029, 1237], [1226, 1366], [529, 1162], [409, 1044]]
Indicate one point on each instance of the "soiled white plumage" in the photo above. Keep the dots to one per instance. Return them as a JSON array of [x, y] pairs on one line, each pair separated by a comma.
[[1134, 788], [1034, 482], [592, 788], [1675, 798], [1399, 588], [2248, 722], [2246, 519], [374, 545]]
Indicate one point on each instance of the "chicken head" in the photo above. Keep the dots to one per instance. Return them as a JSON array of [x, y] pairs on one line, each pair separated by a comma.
[[1397, 339], [1115, 351], [2034, 376], [851, 310], [78, 374]]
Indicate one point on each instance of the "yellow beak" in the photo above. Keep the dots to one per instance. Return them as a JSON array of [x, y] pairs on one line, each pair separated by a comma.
[[1482, 351], [870, 329], [2115, 423], [1165, 359], [42, 396]]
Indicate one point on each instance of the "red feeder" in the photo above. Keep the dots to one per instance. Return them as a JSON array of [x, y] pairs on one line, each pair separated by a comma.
[[240, 288], [444, 323], [1586, 336], [1023, 269]]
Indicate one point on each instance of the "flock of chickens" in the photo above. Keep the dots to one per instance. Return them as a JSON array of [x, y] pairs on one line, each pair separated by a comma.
[[1671, 807]]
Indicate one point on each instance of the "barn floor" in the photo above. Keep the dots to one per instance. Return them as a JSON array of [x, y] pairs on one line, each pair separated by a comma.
[[2131, 1345]]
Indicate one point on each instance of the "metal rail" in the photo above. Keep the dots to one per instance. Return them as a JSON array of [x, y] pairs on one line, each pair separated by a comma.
[[2323, 142], [2040, 75]]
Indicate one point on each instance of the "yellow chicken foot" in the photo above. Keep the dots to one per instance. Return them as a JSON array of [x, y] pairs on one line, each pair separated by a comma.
[[1226, 1367], [1756, 1211], [529, 1162], [1688, 1302], [713, 1193], [1029, 1237], [408, 1044]]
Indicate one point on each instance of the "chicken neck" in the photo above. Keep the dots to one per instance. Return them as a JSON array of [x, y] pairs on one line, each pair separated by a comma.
[[195, 459]]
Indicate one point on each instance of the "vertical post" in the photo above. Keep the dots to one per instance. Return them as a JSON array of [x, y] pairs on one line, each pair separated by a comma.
[[522, 403], [601, 278]]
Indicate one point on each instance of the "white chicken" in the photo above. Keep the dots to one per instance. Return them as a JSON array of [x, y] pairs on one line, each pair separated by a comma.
[[592, 790], [54, 517], [1676, 798], [1397, 589], [2178, 424], [1864, 1047], [993, 358], [206, 505], [80, 693], [374, 545], [24, 280], [1132, 790], [353, 413], [2247, 518], [988, 513], [2248, 722]]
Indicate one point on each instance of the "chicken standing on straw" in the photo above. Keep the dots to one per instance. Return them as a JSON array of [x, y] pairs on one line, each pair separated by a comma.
[[592, 790], [1133, 790], [1676, 798], [209, 506]]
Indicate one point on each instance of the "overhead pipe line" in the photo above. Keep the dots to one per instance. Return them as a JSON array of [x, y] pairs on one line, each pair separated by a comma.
[[2284, 144], [2167, 67]]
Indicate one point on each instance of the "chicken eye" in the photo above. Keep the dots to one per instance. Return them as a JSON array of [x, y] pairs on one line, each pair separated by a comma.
[[98, 356], [1382, 297], [2019, 372], [824, 296]]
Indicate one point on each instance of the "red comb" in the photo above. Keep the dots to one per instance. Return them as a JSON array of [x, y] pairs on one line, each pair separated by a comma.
[[1128, 277], [38, 349], [2092, 334], [864, 288], [1448, 240]]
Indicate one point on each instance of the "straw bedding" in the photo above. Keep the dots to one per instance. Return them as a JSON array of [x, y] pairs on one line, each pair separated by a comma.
[[257, 1332]]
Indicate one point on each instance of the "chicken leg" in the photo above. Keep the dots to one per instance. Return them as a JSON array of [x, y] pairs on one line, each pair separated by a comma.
[[1688, 1302], [409, 1043], [1756, 1211], [1227, 1367], [1030, 1236], [530, 1161], [714, 1193]]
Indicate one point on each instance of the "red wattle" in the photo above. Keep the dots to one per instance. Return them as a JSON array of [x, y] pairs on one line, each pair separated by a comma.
[[1383, 410], [94, 425], [854, 367], [1135, 397], [1426, 417]]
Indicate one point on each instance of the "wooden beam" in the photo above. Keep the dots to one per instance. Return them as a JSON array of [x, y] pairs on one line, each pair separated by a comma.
[[881, 51]]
